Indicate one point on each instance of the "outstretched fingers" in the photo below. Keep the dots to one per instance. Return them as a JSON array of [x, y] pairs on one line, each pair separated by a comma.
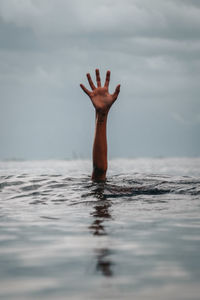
[[85, 90], [116, 93], [98, 78], [107, 81], [90, 81]]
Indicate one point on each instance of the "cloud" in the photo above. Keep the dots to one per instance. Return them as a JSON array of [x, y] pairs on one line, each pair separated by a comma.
[[180, 119], [152, 48], [164, 19]]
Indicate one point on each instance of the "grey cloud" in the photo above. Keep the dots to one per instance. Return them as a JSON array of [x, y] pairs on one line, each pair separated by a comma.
[[164, 19], [152, 48], [185, 121]]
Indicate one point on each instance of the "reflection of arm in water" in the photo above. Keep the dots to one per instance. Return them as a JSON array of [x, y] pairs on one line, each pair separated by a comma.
[[102, 102]]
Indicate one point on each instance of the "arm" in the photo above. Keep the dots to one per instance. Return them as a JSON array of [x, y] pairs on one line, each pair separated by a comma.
[[102, 102], [100, 148]]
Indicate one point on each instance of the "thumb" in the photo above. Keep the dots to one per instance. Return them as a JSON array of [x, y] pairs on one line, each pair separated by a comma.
[[116, 93]]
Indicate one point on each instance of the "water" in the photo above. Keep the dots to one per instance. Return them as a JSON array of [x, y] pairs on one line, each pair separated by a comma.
[[135, 237]]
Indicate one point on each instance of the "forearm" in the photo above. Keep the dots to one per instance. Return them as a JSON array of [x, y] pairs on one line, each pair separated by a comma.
[[100, 148]]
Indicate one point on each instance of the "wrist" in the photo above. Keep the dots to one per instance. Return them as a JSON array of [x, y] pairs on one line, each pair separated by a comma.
[[101, 116]]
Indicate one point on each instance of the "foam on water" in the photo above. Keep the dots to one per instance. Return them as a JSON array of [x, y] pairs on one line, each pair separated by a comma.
[[64, 237]]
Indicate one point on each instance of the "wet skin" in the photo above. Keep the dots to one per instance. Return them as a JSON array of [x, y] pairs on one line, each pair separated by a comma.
[[102, 101]]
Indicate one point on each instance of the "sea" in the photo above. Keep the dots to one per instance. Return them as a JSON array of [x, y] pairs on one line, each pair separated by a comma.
[[136, 236]]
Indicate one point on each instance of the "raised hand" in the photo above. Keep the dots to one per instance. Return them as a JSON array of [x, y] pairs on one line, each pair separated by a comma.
[[99, 95], [102, 101]]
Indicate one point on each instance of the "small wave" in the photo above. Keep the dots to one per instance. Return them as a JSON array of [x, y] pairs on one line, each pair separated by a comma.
[[30, 187], [10, 183], [42, 188]]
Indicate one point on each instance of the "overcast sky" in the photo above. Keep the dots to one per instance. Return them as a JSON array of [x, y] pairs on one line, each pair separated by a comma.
[[152, 48]]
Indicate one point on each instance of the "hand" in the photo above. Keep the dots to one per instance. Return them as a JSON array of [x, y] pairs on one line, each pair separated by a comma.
[[99, 95]]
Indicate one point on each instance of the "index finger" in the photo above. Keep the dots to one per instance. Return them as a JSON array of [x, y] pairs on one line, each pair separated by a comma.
[[107, 81]]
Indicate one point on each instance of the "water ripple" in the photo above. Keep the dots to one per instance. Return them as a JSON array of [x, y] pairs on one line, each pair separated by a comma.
[[64, 237]]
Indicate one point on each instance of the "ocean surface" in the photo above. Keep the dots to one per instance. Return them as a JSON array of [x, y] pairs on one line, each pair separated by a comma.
[[135, 237]]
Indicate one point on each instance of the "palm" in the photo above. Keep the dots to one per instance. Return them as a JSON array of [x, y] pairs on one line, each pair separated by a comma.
[[99, 95], [101, 98]]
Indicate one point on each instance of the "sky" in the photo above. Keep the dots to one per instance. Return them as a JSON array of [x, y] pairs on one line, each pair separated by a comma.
[[152, 48]]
